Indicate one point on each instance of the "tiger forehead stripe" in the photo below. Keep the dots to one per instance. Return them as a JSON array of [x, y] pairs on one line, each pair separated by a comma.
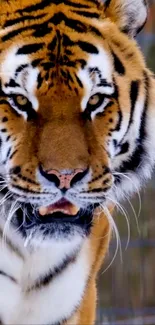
[[47, 24], [46, 3], [20, 19]]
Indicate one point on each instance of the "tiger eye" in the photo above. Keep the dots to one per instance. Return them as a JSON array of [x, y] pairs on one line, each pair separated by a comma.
[[21, 100], [94, 100]]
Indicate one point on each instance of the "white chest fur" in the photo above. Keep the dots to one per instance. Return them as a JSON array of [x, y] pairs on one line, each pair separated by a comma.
[[21, 303]]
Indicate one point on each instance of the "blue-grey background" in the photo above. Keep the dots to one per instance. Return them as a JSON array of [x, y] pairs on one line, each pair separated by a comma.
[[127, 289]]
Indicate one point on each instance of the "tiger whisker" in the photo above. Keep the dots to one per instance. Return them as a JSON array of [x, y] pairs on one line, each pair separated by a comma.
[[13, 209], [134, 213], [131, 205], [7, 196], [136, 188], [23, 210], [116, 232], [124, 212]]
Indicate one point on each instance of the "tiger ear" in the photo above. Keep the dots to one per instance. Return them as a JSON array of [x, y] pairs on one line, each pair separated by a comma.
[[129, 15]]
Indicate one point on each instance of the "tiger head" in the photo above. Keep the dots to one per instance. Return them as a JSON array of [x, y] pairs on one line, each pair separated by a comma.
[[76, 111]]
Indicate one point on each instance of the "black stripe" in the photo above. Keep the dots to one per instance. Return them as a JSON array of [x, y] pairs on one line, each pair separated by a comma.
[[104, 83], [135, 160], [42, 30], [87, 14], [46, 280], [64, 73], [36, 62], [118, 65], [82, 62], [11, 22], [107, 3], [20, 68], [67, 41], [45, 3], [52, 44], [124, 148], [8, 138], [69, 76], [88, 47], [58, 45], [8, 153], [119, 112], [12, 155], [95, 31], [8, 276], [14, 33], [75, 5], [39, 81], [21, 30], [71, 23], [120, 117], [30, 48], [78, 81], [47, 66], [12, 83], [38, 6], [134, 91]]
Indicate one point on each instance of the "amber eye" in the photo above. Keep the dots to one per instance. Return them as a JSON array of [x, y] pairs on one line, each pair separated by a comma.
[[95, 101], [21, 103], [21, 100]]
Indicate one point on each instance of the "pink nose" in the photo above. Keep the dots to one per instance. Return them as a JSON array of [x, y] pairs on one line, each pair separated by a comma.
[[66, 179]]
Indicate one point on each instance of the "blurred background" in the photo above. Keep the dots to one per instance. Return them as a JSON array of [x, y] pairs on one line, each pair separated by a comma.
[[127, 289]]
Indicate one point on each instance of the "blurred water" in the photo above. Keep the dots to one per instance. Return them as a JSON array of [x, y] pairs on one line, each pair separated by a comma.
[[127, 289]]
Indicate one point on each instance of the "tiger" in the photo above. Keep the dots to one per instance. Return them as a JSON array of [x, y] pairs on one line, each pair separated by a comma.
[[77, 120]]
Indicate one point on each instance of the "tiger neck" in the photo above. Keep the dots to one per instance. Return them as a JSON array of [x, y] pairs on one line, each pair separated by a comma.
[[58, 280], [35, 276]]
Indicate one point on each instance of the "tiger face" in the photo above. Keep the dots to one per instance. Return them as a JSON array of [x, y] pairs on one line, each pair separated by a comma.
[[74, 112]]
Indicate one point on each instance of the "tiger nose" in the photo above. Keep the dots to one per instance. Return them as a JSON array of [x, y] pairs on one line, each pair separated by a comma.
[[64, 179]]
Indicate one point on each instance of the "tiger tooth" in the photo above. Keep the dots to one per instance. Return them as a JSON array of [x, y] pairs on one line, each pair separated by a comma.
[[73, 210], [43, 211]]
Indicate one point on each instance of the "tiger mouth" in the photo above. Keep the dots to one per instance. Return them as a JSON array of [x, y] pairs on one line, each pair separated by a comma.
[[62, 212], [62, 206]]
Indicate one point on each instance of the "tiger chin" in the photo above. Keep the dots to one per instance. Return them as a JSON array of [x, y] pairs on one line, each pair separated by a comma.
[[77, 119]]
